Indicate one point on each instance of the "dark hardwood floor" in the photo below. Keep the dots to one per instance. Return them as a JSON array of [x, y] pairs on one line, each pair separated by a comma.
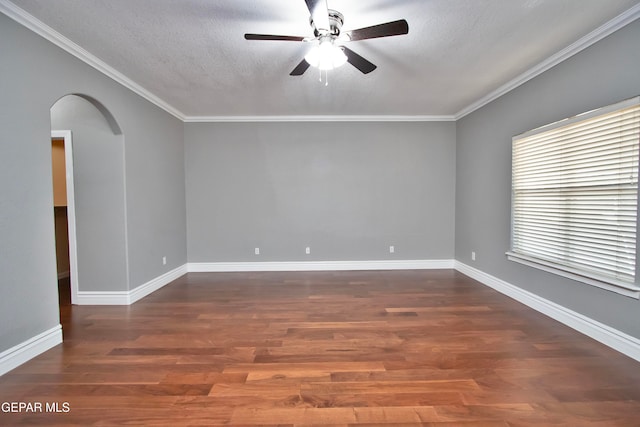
[[344, 348]]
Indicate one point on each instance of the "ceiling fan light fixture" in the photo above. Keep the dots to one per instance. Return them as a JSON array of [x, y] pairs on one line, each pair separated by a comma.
[[326, 55], [328, 51]]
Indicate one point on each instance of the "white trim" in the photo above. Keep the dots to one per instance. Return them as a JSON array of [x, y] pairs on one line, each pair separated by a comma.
[[125, 204], [103, 298], [43, 30], [27, 350], [32, 23], [38, 27], [372, 118], [607, 335], [157, 283], [590, 39], [612, 285], [71, 211], [627, 103], [129, 297], [212, 267], [626, 344]]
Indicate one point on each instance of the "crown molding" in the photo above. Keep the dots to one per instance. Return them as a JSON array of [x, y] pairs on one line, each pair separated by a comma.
[[38, 27], [590, 39], [372, 118], [43, 30]]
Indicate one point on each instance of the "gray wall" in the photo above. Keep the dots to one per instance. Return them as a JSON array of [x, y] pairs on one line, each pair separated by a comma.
[[347, 190], [607, 72], [34, 74], [98, 168]]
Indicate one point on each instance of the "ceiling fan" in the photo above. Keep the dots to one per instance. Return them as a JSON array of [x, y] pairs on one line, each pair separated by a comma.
[[328, 51]]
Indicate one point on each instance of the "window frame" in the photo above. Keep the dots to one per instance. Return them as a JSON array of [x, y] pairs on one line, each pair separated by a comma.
[[605, 282]]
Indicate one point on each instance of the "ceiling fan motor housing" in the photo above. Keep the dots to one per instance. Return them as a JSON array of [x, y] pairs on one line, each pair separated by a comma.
[[336, 19]]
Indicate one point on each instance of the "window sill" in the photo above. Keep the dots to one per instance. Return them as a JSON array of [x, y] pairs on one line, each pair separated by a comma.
[[621, 288]]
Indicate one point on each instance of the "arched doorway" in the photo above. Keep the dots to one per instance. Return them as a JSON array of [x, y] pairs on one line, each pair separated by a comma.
[[94, 207]]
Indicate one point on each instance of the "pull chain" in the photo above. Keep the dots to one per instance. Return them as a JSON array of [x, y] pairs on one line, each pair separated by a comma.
[[326, 76]]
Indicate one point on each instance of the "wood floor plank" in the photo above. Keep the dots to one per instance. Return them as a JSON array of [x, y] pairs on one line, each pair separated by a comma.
[[277, 368], [431, 348]]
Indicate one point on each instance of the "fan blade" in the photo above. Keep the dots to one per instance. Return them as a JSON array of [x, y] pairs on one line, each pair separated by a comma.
[[395, 28], [358, 61], [273, 37], [300, 69], [319, 14]]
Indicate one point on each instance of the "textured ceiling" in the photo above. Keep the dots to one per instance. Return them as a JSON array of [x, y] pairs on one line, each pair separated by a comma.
[[192, 55]]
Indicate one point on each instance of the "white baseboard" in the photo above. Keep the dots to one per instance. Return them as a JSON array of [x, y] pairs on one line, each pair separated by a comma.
[[607, 335], [211, 267], [626, 344], [129, 297], [157, 283], [103, 298], [23, 352]]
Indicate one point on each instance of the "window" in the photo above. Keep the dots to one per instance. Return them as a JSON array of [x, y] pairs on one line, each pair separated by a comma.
[[575, 197]]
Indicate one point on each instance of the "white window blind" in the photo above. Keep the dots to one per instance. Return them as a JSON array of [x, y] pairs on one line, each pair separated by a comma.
[[575, 196]]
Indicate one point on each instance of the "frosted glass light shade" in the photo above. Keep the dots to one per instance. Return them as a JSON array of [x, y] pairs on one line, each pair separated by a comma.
[[326, 56]]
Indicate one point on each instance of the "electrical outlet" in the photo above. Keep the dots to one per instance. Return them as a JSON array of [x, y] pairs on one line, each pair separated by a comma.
[[473, 256], [307, 250], [392, 249], [257, 251], [164, 260]]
